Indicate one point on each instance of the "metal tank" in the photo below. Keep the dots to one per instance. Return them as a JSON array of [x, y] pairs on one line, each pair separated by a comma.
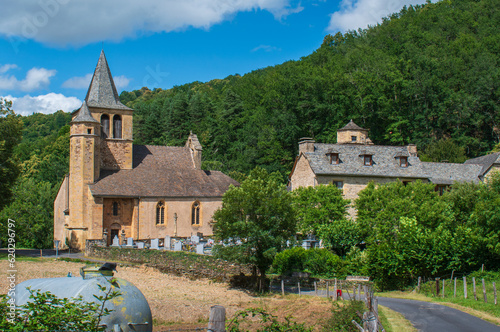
[[131, 310]]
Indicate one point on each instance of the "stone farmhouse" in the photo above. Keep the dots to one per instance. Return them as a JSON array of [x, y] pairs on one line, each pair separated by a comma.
[[115, 188], [354, 161]]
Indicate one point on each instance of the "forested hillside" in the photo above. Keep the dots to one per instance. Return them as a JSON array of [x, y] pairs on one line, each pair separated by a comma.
[[427, 73]]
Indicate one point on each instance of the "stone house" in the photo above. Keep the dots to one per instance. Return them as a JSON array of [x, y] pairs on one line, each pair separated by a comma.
[[354, 161], [139, 191]]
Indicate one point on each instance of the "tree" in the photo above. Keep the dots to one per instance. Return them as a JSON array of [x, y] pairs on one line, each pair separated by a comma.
[[255, 221], [10, 135], [444, 149]]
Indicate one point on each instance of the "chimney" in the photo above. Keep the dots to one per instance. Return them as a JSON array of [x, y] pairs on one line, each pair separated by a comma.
[[306, 144], [412, 150]]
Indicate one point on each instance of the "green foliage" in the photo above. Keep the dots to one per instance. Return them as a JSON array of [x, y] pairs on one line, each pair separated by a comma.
[[268, 322], [47, 312], [260, 214], [444, 150], [318, 262], [342, 316]]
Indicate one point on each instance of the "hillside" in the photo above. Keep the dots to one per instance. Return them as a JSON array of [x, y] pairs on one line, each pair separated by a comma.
[[426, 73]]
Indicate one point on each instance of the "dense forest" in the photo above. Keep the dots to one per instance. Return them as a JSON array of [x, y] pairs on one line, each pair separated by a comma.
[[427, 75]]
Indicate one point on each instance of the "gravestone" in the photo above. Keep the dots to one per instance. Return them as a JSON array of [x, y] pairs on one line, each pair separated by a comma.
[[178, 246], [140, 245], [195, 239], [130, 242], [116, 241], [154, 244], [199, 248], [167, 243]]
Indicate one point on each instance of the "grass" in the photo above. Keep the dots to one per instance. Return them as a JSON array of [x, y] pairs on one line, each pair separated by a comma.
[[4, 256], [393, 321]]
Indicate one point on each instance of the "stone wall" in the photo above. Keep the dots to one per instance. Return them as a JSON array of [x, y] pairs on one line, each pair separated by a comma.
[[177, 263], [303, 175]]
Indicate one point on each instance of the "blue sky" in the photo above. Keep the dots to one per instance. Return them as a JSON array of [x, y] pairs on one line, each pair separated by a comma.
[[50, 47]]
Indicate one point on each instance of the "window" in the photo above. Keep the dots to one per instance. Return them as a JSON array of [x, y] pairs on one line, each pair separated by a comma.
[[115, 208], [367, 160], [160, 213], [117, 126], [195, 214], [405, 183], [441, 189], [338, 184], [403, 161], [89, 131], [334, 158], [104, 126], [354, 138]]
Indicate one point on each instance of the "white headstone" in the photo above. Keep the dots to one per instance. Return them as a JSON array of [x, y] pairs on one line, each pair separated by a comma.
[[116, 241], [140, 245], [130, 242], [155, 243], [199, 248], [195, 239], [178, 246], [167, 243]]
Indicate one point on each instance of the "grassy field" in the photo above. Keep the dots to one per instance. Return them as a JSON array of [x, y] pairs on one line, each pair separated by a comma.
[[393, 321]]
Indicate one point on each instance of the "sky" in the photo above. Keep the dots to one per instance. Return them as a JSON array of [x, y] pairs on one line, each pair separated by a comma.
[[50, 47]]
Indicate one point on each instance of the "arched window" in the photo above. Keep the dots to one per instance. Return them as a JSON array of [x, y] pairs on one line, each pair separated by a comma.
[[115, 208], [117, 126], [104, 126], [160, 213], [195, 213]]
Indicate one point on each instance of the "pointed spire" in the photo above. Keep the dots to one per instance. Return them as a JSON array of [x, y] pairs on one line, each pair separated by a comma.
[[102, 90], [84, 115]]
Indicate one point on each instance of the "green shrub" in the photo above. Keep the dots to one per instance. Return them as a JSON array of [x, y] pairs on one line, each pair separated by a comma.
[[268, 322], [290, 260], [342, 316], [318, 262]]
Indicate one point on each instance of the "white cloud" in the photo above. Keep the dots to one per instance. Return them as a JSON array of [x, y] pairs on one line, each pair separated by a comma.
[[266, 48], [5, 68], [65, 22], [356, 14], [36, 78], [46, 104], [83, 82]]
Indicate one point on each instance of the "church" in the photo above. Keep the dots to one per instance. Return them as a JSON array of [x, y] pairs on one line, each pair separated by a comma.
[[116, 188]]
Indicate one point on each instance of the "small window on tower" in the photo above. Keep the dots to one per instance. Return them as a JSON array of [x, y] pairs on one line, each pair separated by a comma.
[[89, 131], [117, 126], [115, 208], [354, 139]]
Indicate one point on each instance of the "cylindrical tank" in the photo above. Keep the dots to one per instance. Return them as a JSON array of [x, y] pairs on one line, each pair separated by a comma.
[[130, 310]]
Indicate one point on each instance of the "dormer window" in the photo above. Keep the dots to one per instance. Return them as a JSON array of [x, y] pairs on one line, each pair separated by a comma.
[[367, 160], [334, 158], [403, 161]]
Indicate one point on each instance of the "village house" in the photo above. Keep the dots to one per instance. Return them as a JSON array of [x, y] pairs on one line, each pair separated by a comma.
[[354, 161], [115, 188]]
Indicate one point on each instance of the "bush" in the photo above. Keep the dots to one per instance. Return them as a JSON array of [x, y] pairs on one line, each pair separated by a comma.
[[342, 316], [290, 260], [318, 262]]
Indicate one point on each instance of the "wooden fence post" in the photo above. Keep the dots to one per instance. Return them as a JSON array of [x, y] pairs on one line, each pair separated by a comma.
[[418, 286], [335, 297], [455, 287], [282, 287], [465, 287], [474, 287], [359, 292], [315, 289], [443, 289], [495, 292], [437, 286], [354, 292], [217, 320], [327, 291], [298, 285], [484, 292]]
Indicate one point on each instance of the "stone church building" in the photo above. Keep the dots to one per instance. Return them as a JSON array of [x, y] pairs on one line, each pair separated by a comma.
[[139, 191], [354, 161]]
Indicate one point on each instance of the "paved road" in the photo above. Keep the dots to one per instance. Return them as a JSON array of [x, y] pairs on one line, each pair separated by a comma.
[[432, 317]]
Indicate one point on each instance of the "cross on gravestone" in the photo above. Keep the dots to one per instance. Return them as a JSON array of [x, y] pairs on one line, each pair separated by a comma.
[[199, 249], [155, 243], [130, 242], [167, 243], [178, 246], [116, 241], [140, 245]]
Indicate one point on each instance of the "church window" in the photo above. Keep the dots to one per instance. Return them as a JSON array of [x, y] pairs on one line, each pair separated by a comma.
[[117, 126], [160, 213], [105, 126], [115, 208], [195, 214]]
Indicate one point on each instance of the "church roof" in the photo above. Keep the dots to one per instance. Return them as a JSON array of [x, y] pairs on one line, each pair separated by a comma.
[[385, 164], [161, 171], [84, 114], [352, 126], [102, 90]]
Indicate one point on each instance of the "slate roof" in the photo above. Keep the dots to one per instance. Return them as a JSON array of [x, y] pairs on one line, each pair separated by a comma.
[[161, 171], [102, 90], [485, 161], [386, 164], [84, 115], [352, 126]]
